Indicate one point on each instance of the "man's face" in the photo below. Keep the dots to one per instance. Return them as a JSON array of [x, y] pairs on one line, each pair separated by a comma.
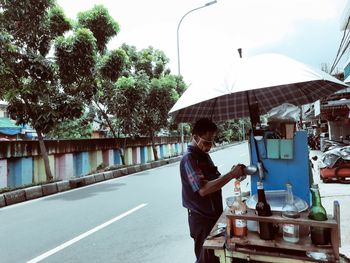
[[205, 142]]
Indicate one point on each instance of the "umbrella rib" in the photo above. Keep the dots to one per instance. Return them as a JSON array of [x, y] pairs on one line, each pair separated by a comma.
[[213, 109]]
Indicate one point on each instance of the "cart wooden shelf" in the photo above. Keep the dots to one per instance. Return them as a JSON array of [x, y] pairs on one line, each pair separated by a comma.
[[253, 248]]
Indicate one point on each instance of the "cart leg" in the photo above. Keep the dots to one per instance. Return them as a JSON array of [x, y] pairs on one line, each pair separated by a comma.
[[335, 232], [220, 253]]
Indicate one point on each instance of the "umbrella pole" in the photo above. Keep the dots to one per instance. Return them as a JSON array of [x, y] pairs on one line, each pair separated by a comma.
[[260, 165], [250, 112], [213, 111]]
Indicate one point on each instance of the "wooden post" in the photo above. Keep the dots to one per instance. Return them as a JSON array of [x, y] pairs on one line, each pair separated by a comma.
[[228, 227], [335, 232]]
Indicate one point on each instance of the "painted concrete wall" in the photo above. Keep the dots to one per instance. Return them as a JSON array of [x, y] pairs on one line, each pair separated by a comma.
[[3, 173], [95, 159], [81, 164], [128, 156], [143, 154], [39, 168], [20, 171], [108, 157], [136, 155], [150, 155], [64, 166], [117, 158], [16, 172]]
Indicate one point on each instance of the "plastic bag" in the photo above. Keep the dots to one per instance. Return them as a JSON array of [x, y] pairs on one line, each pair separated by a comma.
[[284, 112]]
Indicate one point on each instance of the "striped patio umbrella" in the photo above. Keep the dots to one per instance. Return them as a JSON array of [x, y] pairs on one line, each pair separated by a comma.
[[266, 80]]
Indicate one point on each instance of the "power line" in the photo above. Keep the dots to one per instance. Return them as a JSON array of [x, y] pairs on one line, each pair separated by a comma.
[[345, 41]]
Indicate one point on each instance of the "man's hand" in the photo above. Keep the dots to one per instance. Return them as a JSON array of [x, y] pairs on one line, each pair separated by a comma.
[[237, 171]]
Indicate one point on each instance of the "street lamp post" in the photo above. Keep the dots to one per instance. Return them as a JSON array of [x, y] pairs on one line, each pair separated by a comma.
[[178, 56]]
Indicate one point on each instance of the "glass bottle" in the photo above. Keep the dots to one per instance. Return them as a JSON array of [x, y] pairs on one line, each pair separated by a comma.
[[289, 210], [239, 208], [319, 235], [266, 230]]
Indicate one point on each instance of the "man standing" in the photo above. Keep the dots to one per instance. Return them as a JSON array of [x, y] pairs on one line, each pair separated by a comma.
[[201, 187]]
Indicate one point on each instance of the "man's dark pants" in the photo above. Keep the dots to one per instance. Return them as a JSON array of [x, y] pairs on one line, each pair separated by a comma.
[[200, 228]]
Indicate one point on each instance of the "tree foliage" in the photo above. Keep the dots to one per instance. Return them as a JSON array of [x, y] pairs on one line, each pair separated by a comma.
[[45, 91], [79, 128], [147, 94], [49, 77], [232, 130], [28, 76], [100, 23]]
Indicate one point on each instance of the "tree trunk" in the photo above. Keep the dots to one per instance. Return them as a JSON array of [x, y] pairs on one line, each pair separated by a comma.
[[155, 153], [45, 156], [105, 116]]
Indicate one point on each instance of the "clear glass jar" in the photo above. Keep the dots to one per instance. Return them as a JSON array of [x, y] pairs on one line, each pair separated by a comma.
[[289, 210]]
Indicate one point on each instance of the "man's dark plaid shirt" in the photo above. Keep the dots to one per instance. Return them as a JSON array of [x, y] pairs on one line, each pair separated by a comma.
[[196, 167]]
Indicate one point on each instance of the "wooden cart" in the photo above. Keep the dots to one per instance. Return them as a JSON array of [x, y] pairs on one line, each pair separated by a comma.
[[252, 248]]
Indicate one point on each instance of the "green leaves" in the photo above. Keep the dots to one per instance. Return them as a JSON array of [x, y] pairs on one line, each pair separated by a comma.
[[79, 128], [58, 23], [76, 57], [26, 21], [101, 25], [113, 64], [134, 87]]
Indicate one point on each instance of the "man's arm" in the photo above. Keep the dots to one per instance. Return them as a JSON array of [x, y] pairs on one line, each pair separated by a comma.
[[209, 187]]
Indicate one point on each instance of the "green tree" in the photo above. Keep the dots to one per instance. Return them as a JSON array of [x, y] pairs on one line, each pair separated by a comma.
[[111, 66], [45, 91], [28, 76], [161, 97], [79, 128], [145, 93], [232, 130], [106, 66]]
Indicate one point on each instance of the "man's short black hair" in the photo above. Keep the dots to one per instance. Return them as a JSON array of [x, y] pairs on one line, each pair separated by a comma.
[[204, 125]]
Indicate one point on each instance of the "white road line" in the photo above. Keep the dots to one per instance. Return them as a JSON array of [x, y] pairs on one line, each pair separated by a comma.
[[88, 233]]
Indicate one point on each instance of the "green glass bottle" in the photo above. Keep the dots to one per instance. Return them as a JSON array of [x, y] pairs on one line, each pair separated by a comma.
[[319, 235]]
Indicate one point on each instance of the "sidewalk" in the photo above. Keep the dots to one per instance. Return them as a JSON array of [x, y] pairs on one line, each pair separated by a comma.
[[331, 192]]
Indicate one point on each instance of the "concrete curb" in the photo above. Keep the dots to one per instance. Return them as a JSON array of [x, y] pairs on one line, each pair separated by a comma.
[[145, 166], [108, 175], [15, 197], [116, 173], [99, 177], [2, 200], [63, 186], [34, 192], [49, 189], [89, 179], [77, 182]]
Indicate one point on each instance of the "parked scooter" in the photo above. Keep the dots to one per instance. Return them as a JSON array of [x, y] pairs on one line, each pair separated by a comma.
[[335, 164]]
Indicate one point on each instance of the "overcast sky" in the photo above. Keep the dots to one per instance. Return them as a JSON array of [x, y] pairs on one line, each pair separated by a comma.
[[306, 30]]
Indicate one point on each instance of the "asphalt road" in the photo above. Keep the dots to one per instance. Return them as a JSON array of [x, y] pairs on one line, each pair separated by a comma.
[[137, 218]]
